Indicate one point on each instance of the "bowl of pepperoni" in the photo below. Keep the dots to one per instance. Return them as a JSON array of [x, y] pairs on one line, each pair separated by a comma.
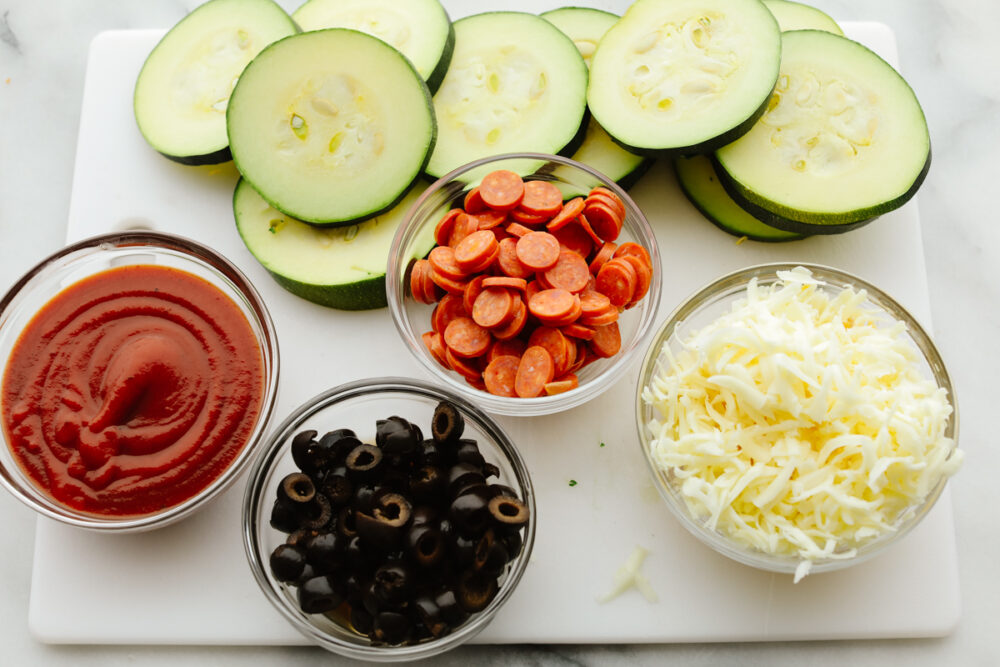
[[543, 280]]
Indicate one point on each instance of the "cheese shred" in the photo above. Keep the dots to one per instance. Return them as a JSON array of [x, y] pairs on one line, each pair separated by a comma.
[[800, 424]]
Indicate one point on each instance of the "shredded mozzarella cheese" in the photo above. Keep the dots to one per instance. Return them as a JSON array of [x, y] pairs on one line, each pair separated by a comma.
[[800, 424]]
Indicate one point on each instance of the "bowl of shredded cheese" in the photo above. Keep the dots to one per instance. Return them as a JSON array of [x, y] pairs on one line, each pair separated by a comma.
[[796, 418]]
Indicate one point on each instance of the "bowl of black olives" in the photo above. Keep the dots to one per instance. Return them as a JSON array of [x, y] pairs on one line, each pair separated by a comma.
[[388, 519]]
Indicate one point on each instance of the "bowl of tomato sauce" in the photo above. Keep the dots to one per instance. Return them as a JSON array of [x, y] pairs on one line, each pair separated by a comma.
[[140, 371]]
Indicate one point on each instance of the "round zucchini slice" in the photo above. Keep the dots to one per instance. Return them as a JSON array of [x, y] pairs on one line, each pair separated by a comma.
[[844, 139], [701, 186], [585, 27], [183, 89], [797, 16], [684, 76], [331, 127], [337, 267], [515, 84], [419, 29]]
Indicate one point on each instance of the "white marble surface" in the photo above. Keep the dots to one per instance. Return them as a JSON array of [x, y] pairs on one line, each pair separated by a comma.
[[948, 52]]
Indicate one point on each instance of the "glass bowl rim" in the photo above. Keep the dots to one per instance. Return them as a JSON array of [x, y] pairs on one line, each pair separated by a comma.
[[276, 442], [153, 242], [542, 405], [735, 282]]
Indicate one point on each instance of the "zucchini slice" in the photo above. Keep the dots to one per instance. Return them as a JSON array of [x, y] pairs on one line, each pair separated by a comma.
[[684, 76], [183, 89], [419, 29], [331, 127], [844, 139], [701, 186], [515, 84], [586, 27], [337, 267], [797, 16]]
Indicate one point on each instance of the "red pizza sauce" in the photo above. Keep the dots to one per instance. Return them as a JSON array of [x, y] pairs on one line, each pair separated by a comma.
[[132, 390]]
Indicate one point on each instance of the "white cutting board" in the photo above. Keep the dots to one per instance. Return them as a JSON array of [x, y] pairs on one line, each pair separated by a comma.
[[190, 584]]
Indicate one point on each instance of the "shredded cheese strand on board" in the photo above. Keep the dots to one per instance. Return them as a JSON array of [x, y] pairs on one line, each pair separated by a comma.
[[799, 423]]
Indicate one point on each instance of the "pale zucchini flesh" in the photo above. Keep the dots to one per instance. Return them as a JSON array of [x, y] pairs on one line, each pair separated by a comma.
[[515, 84], [331, 127], [183, 89], [844, 138], [684, 76], [797, 16]]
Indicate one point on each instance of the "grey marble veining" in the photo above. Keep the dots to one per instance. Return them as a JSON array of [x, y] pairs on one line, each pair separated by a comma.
[[949, 54]]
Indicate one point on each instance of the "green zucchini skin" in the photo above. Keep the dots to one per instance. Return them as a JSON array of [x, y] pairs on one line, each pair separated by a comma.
[[437, 76], [215, 157]]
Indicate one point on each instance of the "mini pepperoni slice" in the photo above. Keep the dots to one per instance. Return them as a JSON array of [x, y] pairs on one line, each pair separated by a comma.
[[516, 325], [494, 307], [474, 250], [474, 202], [418, 281], [541, 198], [555, 343], [606, 252], [518, 230], [600, 319], [466, 338], [501, 190], [570, 272], [585, 224], [442, 259], [604, 221], [533, 288], [534, 371], [522, 216], [444, 227], [465, 224], [551, 304], [574, 237], [448, 308], [472, 291], [500, 375], [565, 383], [435, 346], [449, 285], [464, 367], [489, 219], [608, 197], [593, 302], [538, 250], [511, 346], [577, 330], [630, 248], [508, 262], [643, 276], [581, 355], [567, 214], [563, 320], [506, 281], [607, 340], [617, 281]]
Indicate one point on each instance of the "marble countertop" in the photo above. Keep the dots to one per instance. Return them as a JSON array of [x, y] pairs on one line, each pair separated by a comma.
[[948, 52]]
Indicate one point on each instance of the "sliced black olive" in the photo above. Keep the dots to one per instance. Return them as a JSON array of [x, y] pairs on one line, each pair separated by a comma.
[[392, 627], [428, 484], [475, 591], [447, 424], [317, 514], [430, 615], [470, 512], [345, 522], [392, 583], [319, 595], [424, 514], [425, 544], [370, 601], [482, 551], [296, 490], [282, 518], [502, 490], [399, 440], [451, 611], [468, 452], [382, 530], [508, 513], [300, 537], [302, 449], [325, 551], [490, 470], [287, 562], [432, 454], [336, 444], [494, 560], [337, 487], [354, 587], [363, 499], [308, 572], [464, 474], [362, 621], [363, 461], [463, 550], [396, 479], [355, 556], [512, 542], [471, 486]]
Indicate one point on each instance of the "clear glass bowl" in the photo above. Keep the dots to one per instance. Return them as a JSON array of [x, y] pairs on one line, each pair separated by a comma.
[[357, 406], [716, 299], [413, 318], [97, 254]]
